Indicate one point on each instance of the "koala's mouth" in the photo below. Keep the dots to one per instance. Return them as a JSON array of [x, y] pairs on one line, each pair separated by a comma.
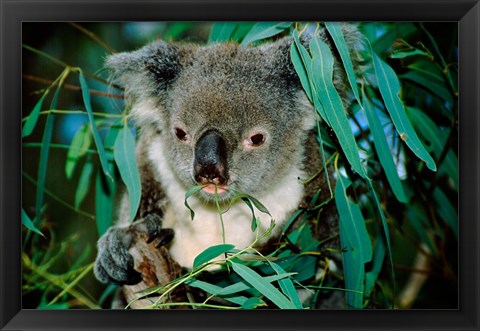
[[215, 189]]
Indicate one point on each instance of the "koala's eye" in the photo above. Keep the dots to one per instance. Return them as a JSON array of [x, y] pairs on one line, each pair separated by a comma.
[[181, 135], [257, 139]]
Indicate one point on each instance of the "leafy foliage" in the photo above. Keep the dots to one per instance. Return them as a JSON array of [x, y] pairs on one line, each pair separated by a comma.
[[395, 161]]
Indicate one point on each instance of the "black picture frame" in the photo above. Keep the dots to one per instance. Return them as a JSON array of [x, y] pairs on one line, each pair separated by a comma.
[[14, 12]]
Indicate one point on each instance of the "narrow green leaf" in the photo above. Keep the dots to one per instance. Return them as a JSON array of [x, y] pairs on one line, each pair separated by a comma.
[[390, 90], [428, 75], [221, 32], [383, 151], [287, 287], [78, 147], [385, 231], [104, 191], [93, 127], [214, 290], [354, 272], [446, 210], [243, 286], [83, 183], [263, 30], [263, 286], [252, 303], [211, 253], [301, 61], [335, 30], [42, 166], [378, 257], [355, 241], [432, 85], [29, 224], [188, 194], [401, 54], [431, 133], [124, 154], [254, 218], [32, 119], [322, 73]]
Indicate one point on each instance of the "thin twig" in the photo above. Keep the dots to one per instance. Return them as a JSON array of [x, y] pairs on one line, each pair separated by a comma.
[[71, 87]]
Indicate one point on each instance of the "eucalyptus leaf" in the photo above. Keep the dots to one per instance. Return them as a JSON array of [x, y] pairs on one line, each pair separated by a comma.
[[27, 222], [188, 194], [322, 69], [78, 147], [390, 90], [263, 30], [355, 241], [383, 151], [83, 183], [301, 62], [32, 119], [263, 286], [221, 32], [93, 127], [124, 154], [335, 30], [211, 253]]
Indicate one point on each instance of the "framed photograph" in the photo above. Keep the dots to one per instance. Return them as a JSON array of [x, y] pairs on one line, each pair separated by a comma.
[[273, 165]]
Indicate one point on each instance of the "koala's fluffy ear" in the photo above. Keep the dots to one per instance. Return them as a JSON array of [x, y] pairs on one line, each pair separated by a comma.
[[148, 71]]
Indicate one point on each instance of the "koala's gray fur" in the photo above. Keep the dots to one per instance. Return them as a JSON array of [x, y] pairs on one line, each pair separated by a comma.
[[232, 93]]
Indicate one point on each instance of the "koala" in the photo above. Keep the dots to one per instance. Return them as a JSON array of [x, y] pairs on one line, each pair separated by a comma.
[[230, 118]]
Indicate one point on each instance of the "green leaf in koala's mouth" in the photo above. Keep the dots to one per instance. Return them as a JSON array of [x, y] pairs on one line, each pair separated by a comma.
[[189, 193]]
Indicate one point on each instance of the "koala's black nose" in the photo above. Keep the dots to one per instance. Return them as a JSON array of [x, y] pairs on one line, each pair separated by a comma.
[[211, 159]]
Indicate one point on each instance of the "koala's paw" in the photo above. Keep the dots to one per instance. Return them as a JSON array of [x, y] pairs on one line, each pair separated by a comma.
[[114, 264]]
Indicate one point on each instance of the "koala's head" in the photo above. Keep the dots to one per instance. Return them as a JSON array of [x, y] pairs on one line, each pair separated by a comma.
[[228, 117]]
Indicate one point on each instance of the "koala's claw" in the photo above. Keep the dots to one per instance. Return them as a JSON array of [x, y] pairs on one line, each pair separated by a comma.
[[114, 264]]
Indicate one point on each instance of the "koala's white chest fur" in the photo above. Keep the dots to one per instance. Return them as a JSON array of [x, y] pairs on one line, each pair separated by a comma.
[[192, 237]]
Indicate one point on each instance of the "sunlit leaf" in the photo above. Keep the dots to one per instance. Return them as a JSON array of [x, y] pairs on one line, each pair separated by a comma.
[[263, 30], [124, 154]]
